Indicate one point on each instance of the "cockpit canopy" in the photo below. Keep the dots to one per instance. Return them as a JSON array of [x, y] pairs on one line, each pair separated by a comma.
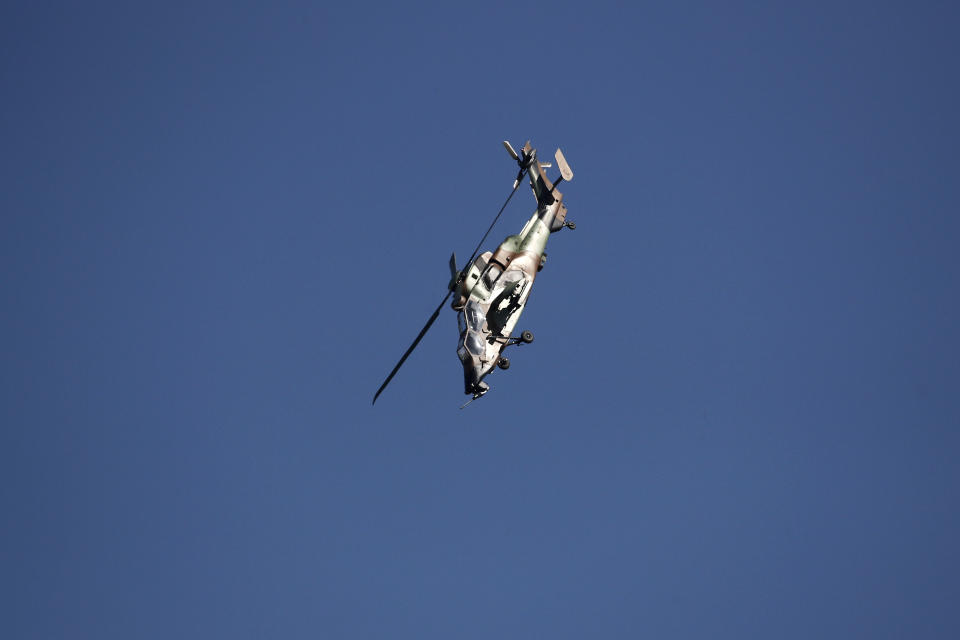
[[490, 275]]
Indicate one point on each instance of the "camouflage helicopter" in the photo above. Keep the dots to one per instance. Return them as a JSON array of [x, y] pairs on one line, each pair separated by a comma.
[[491, 291]]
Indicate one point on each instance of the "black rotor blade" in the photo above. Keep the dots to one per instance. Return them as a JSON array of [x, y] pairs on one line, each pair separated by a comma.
[[490, 228], [413, 346]]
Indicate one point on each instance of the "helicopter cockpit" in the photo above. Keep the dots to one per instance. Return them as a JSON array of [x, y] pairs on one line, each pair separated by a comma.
[[472, 349], [472, 325]]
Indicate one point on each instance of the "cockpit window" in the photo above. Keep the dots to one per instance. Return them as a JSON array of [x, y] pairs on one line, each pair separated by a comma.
[[474, 316], [475, 344], [474, 325], [491, 275]]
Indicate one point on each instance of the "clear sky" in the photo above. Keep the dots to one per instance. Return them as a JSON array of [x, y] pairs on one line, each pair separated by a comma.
[[222, 224]]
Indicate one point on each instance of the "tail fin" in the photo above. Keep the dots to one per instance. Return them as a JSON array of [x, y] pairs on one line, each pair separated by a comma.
[[454, 274]]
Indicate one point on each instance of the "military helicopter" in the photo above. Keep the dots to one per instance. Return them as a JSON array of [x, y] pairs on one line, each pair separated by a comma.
[[491, 291]]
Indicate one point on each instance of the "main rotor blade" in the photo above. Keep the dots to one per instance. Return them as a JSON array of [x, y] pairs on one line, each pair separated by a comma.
[[413, 346], [490, 228]]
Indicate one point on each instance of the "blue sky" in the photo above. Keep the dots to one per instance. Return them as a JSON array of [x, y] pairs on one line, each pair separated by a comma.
[[224, 222]]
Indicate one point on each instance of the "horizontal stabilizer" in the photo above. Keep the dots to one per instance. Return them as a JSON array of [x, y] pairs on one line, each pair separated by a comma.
[[565, 170]]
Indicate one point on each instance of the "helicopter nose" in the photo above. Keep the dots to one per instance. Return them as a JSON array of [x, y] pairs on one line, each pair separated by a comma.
[[471, 376]]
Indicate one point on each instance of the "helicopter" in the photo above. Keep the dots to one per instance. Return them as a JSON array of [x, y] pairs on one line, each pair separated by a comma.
[[491, 291]]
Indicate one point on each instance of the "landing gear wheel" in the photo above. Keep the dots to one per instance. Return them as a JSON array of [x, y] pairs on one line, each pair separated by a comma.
[[570, 225], [527, 337], [503, 363]]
